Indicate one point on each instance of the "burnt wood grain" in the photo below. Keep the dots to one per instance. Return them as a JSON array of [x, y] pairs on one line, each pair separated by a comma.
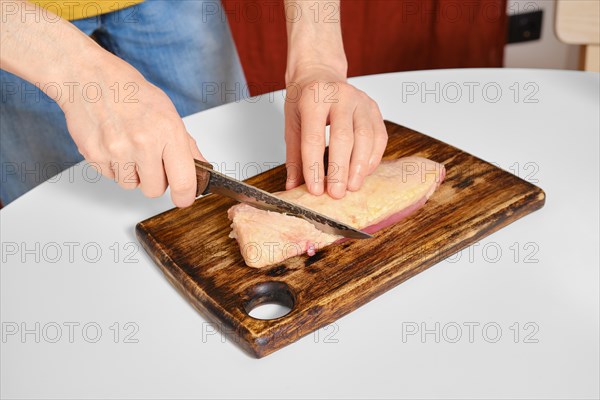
[[191, 246]]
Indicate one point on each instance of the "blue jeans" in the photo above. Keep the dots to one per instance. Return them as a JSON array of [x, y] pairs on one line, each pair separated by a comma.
[[183, 47]]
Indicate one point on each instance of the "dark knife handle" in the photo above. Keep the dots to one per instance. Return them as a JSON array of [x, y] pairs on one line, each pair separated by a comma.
[[202, 176]]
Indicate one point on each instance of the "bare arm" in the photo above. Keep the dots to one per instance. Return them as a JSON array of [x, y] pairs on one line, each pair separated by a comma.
[[317, 70], [141, 142], [35, 47]]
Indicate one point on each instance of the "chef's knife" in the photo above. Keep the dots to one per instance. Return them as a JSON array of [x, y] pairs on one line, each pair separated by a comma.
[[211, 181]]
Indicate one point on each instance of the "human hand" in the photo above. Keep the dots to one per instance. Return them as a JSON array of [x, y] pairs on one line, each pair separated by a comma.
[[137, 139], [318, 96]]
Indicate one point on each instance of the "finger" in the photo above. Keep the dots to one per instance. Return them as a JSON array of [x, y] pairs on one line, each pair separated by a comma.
[[312, 132], [126, 174], [341, 142], [379, 140], [180, 171], [102, 169], [153, 181], [293, 155], [363, 147]]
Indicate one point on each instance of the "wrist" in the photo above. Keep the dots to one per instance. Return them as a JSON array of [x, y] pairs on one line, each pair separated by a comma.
[[314, 42], [336, 68]]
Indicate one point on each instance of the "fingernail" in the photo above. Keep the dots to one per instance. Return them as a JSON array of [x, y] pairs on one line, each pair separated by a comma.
[[354, 182], [372, 166], [357, 179], [336, 190], [318, 188]]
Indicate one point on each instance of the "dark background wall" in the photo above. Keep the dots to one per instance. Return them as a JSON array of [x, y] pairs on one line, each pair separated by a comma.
[[379, 36]]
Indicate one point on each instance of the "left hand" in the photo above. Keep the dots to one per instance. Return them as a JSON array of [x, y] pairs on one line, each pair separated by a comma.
[[318, 96]]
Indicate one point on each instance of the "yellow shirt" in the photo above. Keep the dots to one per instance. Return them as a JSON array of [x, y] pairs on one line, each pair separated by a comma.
[[72, 9]]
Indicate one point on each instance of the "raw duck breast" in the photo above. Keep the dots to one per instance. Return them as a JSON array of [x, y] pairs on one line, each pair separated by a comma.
[[393, 191]]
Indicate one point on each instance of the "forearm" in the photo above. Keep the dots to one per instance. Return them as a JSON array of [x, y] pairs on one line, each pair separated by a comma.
[[42, 48], [314, 37]]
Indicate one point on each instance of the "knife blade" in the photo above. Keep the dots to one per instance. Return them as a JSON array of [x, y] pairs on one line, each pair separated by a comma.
[[211, 181]]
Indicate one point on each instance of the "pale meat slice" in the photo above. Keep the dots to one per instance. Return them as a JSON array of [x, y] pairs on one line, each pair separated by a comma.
[[394, 190]]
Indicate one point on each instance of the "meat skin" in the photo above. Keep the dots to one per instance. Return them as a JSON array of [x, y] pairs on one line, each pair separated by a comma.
[[396, 189]]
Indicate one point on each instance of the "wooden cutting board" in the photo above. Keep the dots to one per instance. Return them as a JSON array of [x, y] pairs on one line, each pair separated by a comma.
[[193, 249]]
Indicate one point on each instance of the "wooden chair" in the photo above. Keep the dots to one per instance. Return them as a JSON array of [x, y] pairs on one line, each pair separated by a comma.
[[578, 22]]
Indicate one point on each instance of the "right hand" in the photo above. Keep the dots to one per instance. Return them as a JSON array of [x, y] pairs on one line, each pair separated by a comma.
[[133, 134]]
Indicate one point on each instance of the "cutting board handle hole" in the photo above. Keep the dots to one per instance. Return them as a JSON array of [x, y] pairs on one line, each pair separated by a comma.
[[269, 300]]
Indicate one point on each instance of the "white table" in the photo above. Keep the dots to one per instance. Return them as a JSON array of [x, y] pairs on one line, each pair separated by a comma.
[[536, 280]]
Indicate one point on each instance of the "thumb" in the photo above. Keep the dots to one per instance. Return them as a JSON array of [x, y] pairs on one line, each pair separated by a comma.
[[194, 149]]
